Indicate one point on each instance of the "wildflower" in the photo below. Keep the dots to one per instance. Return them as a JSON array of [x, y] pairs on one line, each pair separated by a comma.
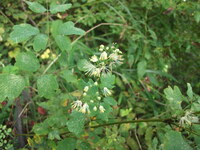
[[96, 72], [95, 108], [106, 91], [189, 118], [85, 108], [103, 56], [84, 94], [86, 88], [101, 48], [47, 51], [112, 47], [91, 101], [99, 98], [95, 83], [107, 48], [115, 57], [118, 51], [101, 108], [77, 104], [94, 58]]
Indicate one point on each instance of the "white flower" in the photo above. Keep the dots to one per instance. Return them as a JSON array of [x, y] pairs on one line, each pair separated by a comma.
[[94, 58], [95, 108], [101, 48], [96, 72], [106, 91], [118, 51], [84, 94], [189, 118], [101, 108], [107, 48], [91, 101], [77, 104], [95, 83], [91, 70], [86, 88], [103, 56], [112, 47], [99, 98], [85, 108], [114, 56]]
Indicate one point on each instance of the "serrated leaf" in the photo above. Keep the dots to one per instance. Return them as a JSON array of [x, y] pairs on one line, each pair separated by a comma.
[[63, 42], [174, 141], [69, 29], [55, 8], [47, 85], [23, 32], [76, 122], [40, 42], [174, 97], [68, 144], [107, 80], [54, 135], [35, 7], [111, 101], [189, 91], [27, 61], [11, 86], [141, 68]]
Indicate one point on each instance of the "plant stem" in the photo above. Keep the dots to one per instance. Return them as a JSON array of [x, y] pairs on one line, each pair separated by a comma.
[[131, 121]]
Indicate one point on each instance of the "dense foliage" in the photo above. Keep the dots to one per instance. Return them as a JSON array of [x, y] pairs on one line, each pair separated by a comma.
[[99, 74]]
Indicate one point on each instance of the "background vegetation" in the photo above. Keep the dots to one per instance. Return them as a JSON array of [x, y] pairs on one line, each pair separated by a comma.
[[160, 43]]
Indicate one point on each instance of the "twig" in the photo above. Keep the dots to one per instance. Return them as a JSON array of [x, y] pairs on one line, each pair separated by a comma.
[[101, 24], [24, 8], [137, 139], [7, 18]]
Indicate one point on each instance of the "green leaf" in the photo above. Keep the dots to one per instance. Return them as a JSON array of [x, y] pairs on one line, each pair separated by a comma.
[[47, 85], [40, 42], [55, 27], [68, 144], [174, 97], [68, 76], [55, 8], [111, 101], [82, 63], [35, 7], [189, 91], [141, 68], [76, 122], [27, 61], [54, 135], [11, 86], [41, 128], [23, 32], [197, 16], [69, 29], [107, 80], [174, 141], [63, 42]]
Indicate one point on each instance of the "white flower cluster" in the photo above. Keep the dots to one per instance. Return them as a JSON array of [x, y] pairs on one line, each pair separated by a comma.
[[109, 57], [188, 119], [84, 107]]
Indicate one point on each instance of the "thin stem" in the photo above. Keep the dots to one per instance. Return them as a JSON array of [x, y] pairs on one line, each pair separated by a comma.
[[101, 24], [130, 121]]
